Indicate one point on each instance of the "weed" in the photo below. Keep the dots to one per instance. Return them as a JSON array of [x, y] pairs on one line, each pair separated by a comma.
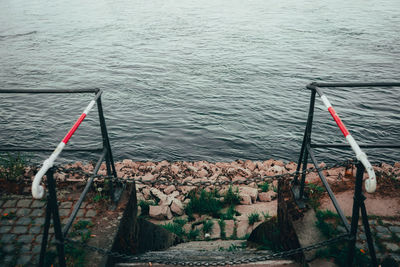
[[232, 197], [253, 218], [80, 225], [175, 228], [222, 225], [205, 203], [145, 206], [314, 193], [180, 222], [266, 216], [275, 189], [8, 216], [232, 248], [234, 233], [265, 187], [230, 213], [207, 227], [12, 166], [193, 234]]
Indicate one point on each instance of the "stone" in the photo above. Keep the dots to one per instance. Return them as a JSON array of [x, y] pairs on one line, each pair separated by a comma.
[[25, 238], [267, 196], [202, 173], [24, 203], [11, 203], [177, 207], [169, 189], [250, 165], [7, 238], [229, 227], [64, 212], [275, 170], [24, 259], [24, 221], [245, 199], [160, 212], [158, 194], [215, 230], [187, 189], [4, 229], [382, 229], [65, 205], [391, 246], [252, 192], [91, 213], [146, 193], [35, 229], [395, 229], [20, 229], [23, 212], [148, 177], [175, 169], [37, 212]]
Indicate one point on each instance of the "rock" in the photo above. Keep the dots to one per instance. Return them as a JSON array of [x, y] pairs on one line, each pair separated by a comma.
[[169, 189], [160, 212], [245, 199], [275, 170], [252, 192], [148, 177], [146, 193], [279, 163], [174, 194], [333, 172], [237, 178], [202, 173], [174, 169], [291, 166], [248, 164], [187, 189], [158, 194], [267, 196], [177, 207], [242, 227], [386, 167], [397, 165]]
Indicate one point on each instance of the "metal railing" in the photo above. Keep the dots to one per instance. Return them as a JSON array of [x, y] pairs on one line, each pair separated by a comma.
[[48, 170], [307, 150]]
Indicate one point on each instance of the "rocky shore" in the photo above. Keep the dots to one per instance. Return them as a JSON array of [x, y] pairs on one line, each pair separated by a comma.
[[166, 202]]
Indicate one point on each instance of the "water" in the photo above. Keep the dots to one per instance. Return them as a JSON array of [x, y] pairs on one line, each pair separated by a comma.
[[199, 80]]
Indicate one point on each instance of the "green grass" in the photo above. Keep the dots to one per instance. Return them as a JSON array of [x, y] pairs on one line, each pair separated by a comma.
[[253, 218], [265, 187], [266, 216], [12, 166], [204, 203], [175, 228], [314, 193], [231, 196], [207, 227], [230, 213], [193, 234], [222, 225], [327, 222]]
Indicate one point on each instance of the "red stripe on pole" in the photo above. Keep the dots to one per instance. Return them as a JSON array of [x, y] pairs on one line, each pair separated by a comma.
[[338, 122], [73, 129]]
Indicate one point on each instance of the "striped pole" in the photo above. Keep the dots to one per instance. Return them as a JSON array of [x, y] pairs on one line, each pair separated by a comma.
[[37, 189], [370, 183]]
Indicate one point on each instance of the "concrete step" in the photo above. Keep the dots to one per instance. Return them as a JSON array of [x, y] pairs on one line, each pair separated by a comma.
[[209, 252]]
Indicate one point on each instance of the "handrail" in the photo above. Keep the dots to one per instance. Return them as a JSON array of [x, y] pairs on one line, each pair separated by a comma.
[[37, 189], [370, 183]]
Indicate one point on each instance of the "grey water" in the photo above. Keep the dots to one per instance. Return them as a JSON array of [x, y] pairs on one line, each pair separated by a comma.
[[214, 80]]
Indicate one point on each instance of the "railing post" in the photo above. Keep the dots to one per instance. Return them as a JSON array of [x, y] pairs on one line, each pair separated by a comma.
[[357, 205], [52, 211], [303, 157]]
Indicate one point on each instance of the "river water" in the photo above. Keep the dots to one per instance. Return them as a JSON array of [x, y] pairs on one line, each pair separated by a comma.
[[212, 80]]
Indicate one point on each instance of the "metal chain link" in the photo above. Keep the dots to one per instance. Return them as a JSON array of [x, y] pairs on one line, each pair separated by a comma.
[[276, 255], [256, 179]]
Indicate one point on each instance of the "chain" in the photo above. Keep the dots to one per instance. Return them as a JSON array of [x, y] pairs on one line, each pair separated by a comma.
[[160, 260], [172, 181]]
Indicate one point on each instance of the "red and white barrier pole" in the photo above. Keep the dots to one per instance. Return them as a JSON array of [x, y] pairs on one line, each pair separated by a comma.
[[370, 183], [37, 189]]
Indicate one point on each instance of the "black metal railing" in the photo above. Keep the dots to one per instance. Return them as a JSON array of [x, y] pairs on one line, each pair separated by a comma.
[[307, 151], [52, 203]]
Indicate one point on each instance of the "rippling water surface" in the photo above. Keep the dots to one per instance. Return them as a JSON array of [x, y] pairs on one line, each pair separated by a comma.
[[199, 80]]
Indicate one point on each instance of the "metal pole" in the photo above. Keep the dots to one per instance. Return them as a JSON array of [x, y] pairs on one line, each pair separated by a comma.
[[56, 218], [309, 123], [356, 213], [104, 133], [45, 233]]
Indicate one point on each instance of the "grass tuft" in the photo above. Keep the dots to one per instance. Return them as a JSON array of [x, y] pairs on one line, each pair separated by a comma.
[[253, 218]]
